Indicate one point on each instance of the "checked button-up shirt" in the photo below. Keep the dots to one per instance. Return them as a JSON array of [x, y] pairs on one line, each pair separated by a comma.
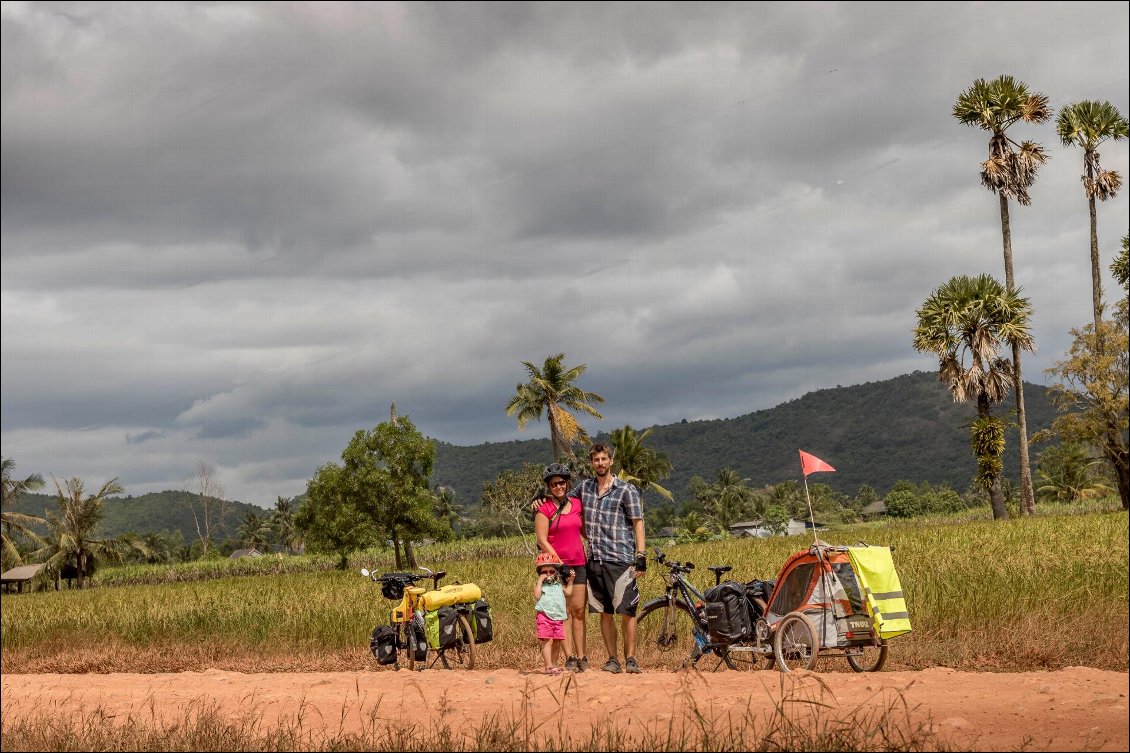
[[608, 519]]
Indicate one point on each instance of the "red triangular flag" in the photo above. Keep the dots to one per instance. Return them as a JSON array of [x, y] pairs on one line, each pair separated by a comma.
[[812, 464]]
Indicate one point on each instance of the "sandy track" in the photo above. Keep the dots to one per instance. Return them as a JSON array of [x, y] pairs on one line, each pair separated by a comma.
[[1072, 709]]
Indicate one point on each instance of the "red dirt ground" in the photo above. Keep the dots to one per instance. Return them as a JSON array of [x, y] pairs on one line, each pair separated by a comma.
[[1077, 708]]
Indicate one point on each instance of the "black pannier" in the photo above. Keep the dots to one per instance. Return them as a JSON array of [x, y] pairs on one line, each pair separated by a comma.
[[482, 622], [417, 626], [758, 589], [383, 644], [728, 613]]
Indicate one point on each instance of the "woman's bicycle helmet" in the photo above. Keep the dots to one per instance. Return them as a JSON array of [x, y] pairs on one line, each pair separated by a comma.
[[556, 469]]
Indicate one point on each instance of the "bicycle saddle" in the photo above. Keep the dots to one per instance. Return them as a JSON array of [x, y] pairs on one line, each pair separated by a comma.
[[719, 569]]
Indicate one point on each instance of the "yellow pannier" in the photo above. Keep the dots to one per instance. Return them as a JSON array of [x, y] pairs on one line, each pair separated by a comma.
[[875, 569], [463, 593]]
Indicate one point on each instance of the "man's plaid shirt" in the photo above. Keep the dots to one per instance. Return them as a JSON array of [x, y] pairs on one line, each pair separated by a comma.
[[608, 519]]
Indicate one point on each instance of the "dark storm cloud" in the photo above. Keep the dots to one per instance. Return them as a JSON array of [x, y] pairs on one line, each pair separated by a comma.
[[237, 232]]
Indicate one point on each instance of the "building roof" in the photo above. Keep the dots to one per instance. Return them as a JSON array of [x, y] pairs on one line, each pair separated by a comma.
[[244, 553], [23, 572]]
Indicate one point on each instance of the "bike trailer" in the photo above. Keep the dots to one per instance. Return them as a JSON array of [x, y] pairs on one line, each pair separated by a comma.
[[848, 606], [460, 593]]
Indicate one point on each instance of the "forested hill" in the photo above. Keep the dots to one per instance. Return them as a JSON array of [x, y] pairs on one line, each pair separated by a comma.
[[876, 433], [147, 513]]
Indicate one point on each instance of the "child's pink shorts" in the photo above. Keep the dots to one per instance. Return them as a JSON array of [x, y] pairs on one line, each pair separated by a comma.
[[550, 629]]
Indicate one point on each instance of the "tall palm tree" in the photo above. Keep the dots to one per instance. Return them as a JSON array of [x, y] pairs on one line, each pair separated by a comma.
[[639, 464], [71, 531], [1088, 124], [12, 522], [964, 322], [552, 390], [282, 521], [1009, 172]]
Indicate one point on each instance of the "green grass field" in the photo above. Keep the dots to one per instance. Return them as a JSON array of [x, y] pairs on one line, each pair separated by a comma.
[[1023, 594]]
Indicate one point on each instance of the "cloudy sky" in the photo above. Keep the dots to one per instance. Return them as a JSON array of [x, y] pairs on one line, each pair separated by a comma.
[[235, 233]]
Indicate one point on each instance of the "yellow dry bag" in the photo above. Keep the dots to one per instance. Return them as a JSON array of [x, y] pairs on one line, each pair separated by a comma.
[[462, 593]]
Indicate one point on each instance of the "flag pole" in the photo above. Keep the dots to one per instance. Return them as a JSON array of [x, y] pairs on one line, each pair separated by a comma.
[[811, 517]]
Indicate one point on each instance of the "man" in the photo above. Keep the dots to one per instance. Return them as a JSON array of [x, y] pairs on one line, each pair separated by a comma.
[[617, 554]]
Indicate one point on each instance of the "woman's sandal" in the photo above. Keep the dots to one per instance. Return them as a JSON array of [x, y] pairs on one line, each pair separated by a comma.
[[552, 670]]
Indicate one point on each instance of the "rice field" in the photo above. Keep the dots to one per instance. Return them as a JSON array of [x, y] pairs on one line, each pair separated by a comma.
[[1017, 595]]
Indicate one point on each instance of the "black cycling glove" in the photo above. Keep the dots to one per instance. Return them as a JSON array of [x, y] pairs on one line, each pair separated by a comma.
[[641, 562]]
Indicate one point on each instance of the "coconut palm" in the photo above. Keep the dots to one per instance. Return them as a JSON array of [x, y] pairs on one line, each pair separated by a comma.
[[255, 531], [638, 464], [13, 524], [71, 531], [964, 322], [282, 521], [1009, 172], [1088, 124], [552, 390]]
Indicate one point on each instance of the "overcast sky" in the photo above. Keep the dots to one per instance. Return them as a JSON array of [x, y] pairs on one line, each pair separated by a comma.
[[235, 233]]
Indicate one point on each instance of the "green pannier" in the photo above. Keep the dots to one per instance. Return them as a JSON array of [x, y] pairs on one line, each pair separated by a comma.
[[439, 625]]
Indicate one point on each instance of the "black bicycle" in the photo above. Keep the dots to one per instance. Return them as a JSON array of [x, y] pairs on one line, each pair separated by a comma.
[[675, 625]]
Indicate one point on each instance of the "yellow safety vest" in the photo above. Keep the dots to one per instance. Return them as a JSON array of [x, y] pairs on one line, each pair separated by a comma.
[[875, 569]]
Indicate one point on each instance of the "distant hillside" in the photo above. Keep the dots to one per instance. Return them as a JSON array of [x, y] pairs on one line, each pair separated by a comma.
[[148, 513], [876, 433]]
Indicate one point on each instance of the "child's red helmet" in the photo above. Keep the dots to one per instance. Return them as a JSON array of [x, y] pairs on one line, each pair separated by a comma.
[[545, 559]]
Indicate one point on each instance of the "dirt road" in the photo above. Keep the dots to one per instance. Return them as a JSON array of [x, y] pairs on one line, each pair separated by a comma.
[[1072, 709]]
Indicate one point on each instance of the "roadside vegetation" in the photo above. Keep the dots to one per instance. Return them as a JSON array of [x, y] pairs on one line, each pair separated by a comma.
[[1029, 593]]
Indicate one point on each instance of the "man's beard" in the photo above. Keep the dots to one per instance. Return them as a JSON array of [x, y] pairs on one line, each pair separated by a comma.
[[601, 473]]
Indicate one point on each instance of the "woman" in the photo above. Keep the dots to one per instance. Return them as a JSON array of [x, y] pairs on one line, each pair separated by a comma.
[[559, 525]]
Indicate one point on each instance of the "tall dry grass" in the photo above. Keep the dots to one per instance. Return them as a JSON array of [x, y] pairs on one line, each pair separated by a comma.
[[1023, 594]]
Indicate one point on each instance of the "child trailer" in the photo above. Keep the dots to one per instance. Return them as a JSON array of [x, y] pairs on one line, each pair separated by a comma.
[[836, 601]]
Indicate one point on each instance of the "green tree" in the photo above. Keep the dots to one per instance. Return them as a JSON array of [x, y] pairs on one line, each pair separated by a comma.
[[1093, 397], [1066, 473], [1120, 267], [552, 390], [638, 464], [385, 476], [1088, 124], [330, 517], [72, 531], [13, 524], [963, 323], [509, 497], [255, 531], [1009, 172], [283, 526], [725, 500]]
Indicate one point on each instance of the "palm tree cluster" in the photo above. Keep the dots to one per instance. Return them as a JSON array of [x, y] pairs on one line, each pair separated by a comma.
[[1010, 171]]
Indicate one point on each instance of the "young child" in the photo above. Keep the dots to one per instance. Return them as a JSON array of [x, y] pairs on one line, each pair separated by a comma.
[[550, 593]]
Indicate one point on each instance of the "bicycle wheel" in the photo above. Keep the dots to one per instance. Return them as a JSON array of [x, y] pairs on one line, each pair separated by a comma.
[[463, 652], [665, 634], [868, 658], [795, 643]]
